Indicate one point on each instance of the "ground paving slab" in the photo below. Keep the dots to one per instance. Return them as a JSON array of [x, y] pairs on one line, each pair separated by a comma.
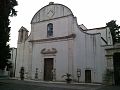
[[43, 85]]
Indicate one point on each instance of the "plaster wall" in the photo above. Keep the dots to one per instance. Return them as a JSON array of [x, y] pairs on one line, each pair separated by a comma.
[[60, 58], [88, 55]]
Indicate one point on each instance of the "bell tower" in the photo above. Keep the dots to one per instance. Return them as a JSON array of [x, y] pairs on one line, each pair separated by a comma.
[[23, 34]]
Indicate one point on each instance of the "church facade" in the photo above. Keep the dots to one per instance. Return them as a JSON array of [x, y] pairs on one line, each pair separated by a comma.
[[58, 45]]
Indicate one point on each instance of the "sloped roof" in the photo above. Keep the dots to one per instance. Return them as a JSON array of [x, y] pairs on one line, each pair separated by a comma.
[[23, 29]]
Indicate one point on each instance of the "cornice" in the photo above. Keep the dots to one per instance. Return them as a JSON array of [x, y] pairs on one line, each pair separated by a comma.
[[71, 36]]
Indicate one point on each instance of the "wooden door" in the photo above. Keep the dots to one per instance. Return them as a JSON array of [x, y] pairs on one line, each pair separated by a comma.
[[88, 76], [48, 67]]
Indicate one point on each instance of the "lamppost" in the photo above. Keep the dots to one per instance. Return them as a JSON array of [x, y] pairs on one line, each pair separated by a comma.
[[78, 73]]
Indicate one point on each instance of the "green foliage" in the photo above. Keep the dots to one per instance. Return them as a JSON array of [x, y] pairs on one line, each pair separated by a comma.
[[6, 10], [115, 32]]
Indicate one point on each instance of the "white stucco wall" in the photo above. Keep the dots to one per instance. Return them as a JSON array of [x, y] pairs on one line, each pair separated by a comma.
[[60, 58], [61, 28], [24, 58], [88, 54]]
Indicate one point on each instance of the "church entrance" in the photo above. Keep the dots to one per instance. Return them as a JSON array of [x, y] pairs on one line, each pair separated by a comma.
[[48, 67], [88, 76], [116, 64]]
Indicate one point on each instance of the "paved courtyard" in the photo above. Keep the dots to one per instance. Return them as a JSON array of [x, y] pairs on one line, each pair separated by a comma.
[[36, 85]]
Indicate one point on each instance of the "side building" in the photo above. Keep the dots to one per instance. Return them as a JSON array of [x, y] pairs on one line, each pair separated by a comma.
[[10, 70], [12, 60]]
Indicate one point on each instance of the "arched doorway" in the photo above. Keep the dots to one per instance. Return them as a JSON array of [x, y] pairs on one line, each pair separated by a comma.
[[116, 63]]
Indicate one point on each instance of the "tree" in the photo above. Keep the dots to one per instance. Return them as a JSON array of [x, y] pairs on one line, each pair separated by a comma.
[[115, 32], [6, 10]]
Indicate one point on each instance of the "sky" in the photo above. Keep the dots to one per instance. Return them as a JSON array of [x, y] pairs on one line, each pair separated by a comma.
[[91, 13]]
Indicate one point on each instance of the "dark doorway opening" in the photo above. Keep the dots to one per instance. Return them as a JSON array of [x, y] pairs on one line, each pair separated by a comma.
[[48, 67], [116, 64], [88, 76]]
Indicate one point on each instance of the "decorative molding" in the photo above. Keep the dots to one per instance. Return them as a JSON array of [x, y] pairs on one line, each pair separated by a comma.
[[50, 13], [51, 19], [113, 48], [55, 38], [49, 51]]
